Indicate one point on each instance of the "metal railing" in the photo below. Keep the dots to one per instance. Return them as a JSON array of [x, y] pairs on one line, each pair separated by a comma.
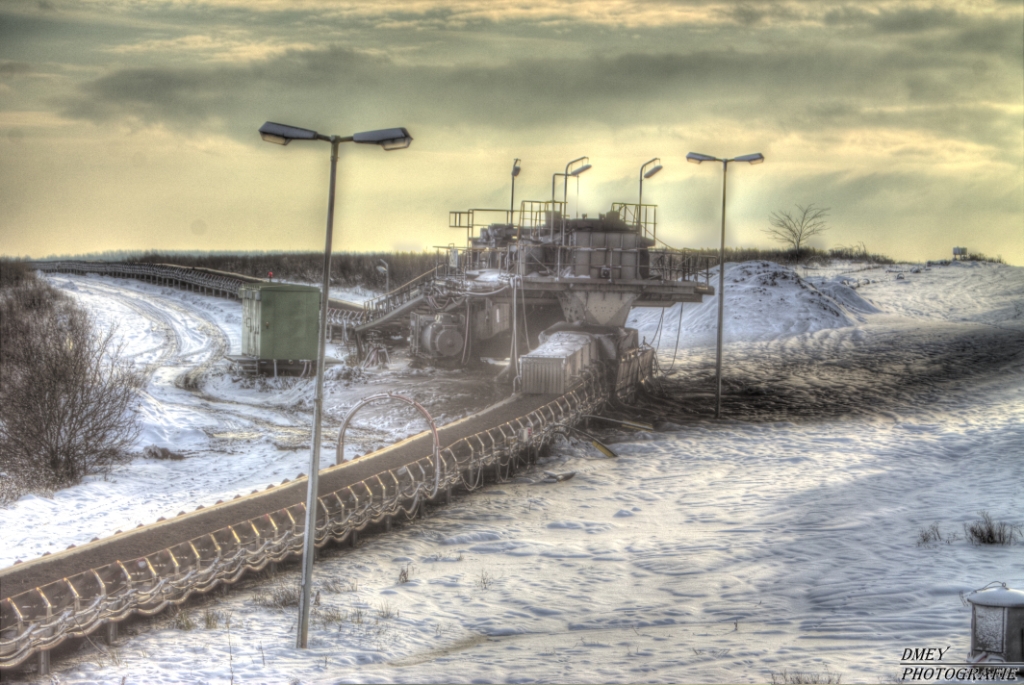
[[379, 307], [643, 217]]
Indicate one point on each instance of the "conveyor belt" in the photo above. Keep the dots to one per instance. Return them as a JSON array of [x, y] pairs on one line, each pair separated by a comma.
[[73, 592]]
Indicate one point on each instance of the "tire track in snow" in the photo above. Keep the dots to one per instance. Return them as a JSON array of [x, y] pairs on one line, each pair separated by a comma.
[[178, 323], [882, 370]]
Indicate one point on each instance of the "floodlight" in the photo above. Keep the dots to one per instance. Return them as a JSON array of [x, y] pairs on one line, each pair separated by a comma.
[[281, 134], [387, 138], [697, 158], [653, 171]]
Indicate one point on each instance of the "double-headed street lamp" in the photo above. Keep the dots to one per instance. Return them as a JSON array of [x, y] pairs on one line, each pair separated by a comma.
[[389, 139], [697, 158]]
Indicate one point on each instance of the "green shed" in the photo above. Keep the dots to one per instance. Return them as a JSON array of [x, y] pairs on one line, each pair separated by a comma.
[[280, 321]]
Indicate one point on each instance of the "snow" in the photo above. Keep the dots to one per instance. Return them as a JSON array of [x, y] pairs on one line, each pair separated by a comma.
[[784, 537]]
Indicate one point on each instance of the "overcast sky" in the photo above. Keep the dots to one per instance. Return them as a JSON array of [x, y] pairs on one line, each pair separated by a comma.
[[133, 125]]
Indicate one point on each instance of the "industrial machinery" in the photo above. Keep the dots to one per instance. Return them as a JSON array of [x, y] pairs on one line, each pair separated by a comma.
[[545, 291]]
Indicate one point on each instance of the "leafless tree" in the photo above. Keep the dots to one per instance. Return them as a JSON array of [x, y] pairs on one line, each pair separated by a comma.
[[794, 228], [66, 398]]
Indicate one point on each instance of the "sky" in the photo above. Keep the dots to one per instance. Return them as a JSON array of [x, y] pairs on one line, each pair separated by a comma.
[[132, 125]]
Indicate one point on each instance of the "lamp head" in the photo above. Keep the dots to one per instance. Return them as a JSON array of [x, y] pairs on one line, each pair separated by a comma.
[[697, 158], [653, 171], [282, 134], [387, 138], [515, 167], [756, 158], [577, 172]]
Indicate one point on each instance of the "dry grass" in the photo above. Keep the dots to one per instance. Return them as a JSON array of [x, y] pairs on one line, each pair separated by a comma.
[[385, 610], [932, 534], [989, 532], [325, 617], [182, 620], [335, 586], [806, 678], [277, 598]]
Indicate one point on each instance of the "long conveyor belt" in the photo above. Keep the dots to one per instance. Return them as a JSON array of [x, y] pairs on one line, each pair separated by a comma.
[[74, 592]]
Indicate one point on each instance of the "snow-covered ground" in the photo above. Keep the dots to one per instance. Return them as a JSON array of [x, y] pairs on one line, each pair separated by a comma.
[[861, 407]]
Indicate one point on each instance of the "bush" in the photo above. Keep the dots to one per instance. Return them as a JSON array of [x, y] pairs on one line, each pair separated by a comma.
[[989, 532], [65, 398]]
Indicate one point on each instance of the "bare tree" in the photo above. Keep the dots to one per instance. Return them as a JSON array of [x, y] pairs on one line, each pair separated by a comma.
[[65, 396], [794, 228]]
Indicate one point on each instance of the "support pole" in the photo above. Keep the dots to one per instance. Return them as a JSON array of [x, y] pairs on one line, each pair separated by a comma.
[[308, 550], [721, 300]]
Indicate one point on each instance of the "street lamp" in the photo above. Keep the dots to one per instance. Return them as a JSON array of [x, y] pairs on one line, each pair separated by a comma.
[[656, 169], [389, 139], [565, 192], [697, 158], [512, 204], [565, 185], [386, 270]]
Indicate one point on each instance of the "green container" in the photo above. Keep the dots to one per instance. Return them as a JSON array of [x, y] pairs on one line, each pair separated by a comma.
[[280, 321]]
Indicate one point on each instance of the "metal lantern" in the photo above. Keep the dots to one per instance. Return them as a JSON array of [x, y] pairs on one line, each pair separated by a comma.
[[997, 624]]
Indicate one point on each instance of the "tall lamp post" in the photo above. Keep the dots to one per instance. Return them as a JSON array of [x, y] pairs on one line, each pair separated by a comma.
[[565, 184], [697, 158], [645, 174], [657, 162], [389, 139], [565, 192], [512, 204]]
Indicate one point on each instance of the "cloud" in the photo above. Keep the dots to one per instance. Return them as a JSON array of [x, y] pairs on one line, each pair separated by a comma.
[[235, 47], [10, 68], [790, 88]]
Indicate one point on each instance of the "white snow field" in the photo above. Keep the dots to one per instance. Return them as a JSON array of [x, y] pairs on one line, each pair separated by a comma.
[[861, 406]]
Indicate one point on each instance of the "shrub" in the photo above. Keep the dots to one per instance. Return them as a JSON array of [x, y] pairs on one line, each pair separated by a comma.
[[989, 532], [66, 398]]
